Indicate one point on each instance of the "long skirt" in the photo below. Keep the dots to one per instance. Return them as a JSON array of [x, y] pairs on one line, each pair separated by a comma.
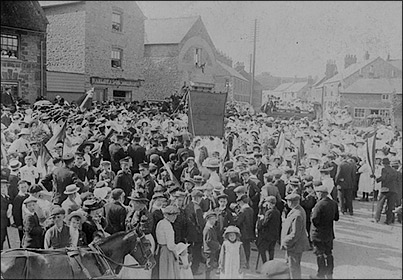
[[168, 266]]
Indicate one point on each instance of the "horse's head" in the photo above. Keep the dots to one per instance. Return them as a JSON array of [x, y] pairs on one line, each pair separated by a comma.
[[142, 250]]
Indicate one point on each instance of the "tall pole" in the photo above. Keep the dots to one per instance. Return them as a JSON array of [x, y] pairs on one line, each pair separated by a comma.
[[253, 64]]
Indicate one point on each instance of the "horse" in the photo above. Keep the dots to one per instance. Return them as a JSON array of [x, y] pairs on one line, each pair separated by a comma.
[[99, 260]]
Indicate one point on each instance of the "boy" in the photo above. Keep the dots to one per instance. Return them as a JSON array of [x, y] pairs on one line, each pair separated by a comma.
[[107, 174], [29, 172], [17, 207], [211, 246]]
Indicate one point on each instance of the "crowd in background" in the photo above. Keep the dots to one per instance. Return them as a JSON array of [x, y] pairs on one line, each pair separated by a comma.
[[71, 177]]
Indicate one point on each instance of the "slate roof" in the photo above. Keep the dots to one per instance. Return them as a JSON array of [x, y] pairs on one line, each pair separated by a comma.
[[24, 15], [231, 71], [295, 87], [167, 30], [283, 87], [345, 73], [375, 86]]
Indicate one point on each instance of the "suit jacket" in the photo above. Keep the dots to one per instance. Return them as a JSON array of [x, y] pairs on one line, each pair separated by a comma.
[[280, 184], [244, 221], [389, 179], [5, 201], [17, 208], [62, 177], [138, 155], [13, 186], [125, 182], [345, 176], [196, 222], [117, 153], [115, 215], [33, 232], [268, 227], [210, 241], [294, 237], [261, 170], [323, 214], [180, 227]]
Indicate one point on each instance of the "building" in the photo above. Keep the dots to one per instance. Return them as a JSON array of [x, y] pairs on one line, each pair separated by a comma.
[[257, 97], [297, 91], [368, 68], [23, 45], [368, 97], [238, 87], [178, 53], [94, 44]]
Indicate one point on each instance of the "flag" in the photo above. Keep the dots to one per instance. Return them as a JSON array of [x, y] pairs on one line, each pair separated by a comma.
[[43, 158], [370, 142], [173, 178], [85, 101], [280, 146], [58, 136], [300, 154]]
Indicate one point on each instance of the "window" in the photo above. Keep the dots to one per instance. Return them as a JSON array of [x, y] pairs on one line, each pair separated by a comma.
[[117, 21], [384, 113], [116, 58], [198, 56], [359, 113], [385, 97], [9, 46]]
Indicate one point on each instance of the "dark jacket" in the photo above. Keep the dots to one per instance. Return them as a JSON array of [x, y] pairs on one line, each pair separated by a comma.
[[62, 177], [17, 209], [138, 155], [33, 232], [125, 182], [345, 176], [210, 241], [5, 201], [224, 219], [115, 215], [144, 221], [180, 227], [268, 228], [244, 221], [89, 228], [323, 214], [389, 179], [196, 222], [117, 153]]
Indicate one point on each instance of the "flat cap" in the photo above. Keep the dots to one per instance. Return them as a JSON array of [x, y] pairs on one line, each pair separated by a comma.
[[293, 197]]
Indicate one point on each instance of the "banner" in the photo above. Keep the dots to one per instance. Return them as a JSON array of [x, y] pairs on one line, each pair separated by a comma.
[[371, 149], [206, 113]]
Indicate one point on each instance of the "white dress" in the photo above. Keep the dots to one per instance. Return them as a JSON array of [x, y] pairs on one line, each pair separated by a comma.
[[230, 254], [365, 183]]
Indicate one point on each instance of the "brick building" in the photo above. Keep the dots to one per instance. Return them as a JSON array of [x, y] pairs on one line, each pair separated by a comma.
[[23, 43], [178, 52], [257, 97], [96, 44]]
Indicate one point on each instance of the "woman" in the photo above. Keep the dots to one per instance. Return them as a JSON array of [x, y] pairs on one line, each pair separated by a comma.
[[168, 258], [75, 220], [365, 183], [96, 221]]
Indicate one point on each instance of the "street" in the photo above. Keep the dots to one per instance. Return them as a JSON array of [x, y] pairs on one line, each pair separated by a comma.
[[362, 249]]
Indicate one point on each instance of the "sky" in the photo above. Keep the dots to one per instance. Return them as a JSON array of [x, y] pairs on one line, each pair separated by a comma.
[[294, 38]]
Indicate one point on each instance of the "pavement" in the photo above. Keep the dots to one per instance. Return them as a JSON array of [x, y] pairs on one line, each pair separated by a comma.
[[362, 249]]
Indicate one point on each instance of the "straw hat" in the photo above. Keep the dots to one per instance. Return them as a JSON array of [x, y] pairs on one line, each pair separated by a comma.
[[77, 213], [180, 247]]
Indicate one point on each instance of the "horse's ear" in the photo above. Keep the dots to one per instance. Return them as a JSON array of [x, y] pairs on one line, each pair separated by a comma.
[[131, 234]]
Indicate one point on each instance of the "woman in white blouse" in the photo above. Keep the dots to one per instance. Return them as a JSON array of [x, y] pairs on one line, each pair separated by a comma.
[[168, 258]]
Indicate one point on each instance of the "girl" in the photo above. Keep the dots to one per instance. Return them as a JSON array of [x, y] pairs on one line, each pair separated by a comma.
[[185, 272], [232, 259]]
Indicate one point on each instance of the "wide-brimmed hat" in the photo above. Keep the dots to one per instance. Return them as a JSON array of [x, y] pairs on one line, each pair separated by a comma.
[[84, 144], [93, 204], [180, 247], [77, 213], [101, 193], [15, 164], [233, 229], [70, 189]]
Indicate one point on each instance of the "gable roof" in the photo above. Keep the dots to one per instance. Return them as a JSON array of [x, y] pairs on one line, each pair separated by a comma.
[[396, 63], [282, 87], [24, 15], [231, 71], [167, 30], [345, 73], [375, 86], [296, 87]]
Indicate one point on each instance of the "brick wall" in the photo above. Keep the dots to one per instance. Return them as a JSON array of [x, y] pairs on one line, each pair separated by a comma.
[[26, 70]]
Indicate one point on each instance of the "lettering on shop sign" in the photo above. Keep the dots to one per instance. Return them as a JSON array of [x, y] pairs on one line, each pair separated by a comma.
[[115, 82], [206, 113]]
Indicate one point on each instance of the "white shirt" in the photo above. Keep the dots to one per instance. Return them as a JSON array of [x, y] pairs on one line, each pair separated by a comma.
[[165, 234]]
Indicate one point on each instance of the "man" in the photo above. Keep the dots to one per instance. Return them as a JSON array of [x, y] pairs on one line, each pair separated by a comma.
[[252, 190], [245, 222], [62, 177], [166, 150], [196, 225], [33, 232], [344, 181], [6, 210], [137, 153], [115, 212], [70, 204], [262, 169], [58, 236], [180, 225], [186, 148], [322, 232], [389, 185], [7, 98], [117, 152], [21, 145], [149, 183], [124, 180], [294, 238]]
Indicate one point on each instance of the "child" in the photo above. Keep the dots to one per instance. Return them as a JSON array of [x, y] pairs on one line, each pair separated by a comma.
[[107, 174], [210, 242], [185, 272], [75, 220], [29, 172], [232, 259], [17, 207]]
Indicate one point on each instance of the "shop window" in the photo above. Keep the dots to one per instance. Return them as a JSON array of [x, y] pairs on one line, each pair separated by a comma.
[[119, 95], [117, 21], [116, 61], [9, 46], [359, 113]]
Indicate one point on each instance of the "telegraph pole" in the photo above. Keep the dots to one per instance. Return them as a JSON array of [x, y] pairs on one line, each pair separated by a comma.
[[253, 64]]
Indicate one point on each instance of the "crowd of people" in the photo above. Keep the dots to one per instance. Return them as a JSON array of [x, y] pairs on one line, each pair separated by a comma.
[[71, 177]]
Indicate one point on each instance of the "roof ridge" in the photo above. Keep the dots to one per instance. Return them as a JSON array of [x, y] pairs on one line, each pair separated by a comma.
[[189, 17]]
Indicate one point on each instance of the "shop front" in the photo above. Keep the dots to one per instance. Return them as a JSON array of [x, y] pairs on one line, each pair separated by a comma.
[[116, 89]]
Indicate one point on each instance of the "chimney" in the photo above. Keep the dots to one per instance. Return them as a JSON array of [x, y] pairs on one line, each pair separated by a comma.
[[388, 58], [310, 80], [349, 59], [331, 69], [366, 56], [239, 66]]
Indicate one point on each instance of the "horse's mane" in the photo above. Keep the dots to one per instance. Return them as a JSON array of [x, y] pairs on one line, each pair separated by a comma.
[[113, 237]]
